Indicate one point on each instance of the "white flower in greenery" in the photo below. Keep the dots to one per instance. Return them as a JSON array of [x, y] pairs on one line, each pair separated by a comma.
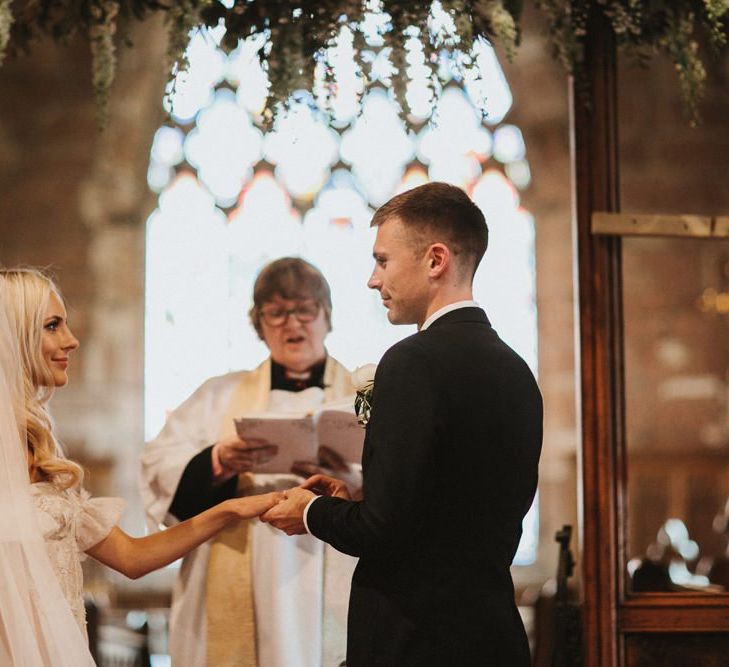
[[6, 22], [103, 53], [363, 379], [364, 376]]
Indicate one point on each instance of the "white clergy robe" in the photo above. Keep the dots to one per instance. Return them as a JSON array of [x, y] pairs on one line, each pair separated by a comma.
[[300, 586]]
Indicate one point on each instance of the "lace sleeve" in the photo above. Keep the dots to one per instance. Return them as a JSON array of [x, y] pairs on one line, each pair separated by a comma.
[[96, 518]]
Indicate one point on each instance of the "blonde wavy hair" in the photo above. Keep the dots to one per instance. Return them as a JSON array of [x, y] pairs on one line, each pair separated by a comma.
[[24, 294]]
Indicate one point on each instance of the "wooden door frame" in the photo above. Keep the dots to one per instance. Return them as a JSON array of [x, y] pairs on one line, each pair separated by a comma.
[[595, 179], [609, 614]]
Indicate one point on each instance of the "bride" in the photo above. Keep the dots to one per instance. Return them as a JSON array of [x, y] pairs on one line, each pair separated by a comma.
[[47, 521]]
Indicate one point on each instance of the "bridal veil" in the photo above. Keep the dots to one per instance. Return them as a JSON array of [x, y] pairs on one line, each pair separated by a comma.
[[37, 628]]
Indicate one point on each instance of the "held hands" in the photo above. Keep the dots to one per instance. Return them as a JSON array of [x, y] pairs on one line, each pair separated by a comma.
[[249, 507], [238, 455], [288, 514]]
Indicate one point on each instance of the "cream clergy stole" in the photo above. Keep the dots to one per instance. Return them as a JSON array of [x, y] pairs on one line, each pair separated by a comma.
[[231, 634]]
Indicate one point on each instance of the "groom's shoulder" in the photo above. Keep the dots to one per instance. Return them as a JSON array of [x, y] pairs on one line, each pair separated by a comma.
[[411, 342], [410, 347]]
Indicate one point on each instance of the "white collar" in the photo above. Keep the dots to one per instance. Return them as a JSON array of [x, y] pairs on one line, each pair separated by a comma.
[[447, 309]]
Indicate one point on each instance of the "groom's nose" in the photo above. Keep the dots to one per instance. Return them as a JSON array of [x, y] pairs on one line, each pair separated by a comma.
[[374, 282]]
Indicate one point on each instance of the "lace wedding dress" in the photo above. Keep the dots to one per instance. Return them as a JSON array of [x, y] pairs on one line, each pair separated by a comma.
[[71, 522]]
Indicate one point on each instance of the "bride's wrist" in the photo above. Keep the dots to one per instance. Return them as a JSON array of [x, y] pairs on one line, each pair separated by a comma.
[[228, 511]]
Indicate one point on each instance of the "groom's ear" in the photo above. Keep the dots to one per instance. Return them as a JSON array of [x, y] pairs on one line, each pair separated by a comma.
[[439, 256]]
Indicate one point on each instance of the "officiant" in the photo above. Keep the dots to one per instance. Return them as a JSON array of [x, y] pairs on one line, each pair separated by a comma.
[[253, 596]]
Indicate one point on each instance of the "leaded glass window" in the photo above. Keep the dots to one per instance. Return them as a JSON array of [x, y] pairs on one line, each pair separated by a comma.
[[233, 197]]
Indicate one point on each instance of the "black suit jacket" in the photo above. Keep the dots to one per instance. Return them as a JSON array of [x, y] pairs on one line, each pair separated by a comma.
[[450, 468]]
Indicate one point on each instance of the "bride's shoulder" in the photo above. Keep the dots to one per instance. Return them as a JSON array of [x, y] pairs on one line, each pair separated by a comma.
[[57, 508], [45, 489]]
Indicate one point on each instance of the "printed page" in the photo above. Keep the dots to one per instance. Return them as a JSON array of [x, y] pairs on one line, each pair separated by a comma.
[[295, 437], [339, 430]]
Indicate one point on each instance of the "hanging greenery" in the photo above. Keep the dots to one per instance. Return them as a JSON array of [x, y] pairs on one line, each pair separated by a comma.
[[6, 23], [298, 33], [644, 28]]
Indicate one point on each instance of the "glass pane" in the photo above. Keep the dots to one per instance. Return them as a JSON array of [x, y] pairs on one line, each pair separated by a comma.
[[676, 313], [667, 166]]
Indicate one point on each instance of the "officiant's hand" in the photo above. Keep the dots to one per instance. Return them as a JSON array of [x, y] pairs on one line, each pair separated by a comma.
[[238, 455], [330, 465], [324, 485], [288, 515]]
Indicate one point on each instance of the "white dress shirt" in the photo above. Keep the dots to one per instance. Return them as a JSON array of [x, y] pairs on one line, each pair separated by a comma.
[[438, 313], [447, 309]]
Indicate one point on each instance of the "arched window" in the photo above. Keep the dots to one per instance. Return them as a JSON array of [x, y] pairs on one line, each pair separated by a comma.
[[232, 197]]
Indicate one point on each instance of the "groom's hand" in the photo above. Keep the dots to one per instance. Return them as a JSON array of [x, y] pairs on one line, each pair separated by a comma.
[[327, 486], [288, 515]]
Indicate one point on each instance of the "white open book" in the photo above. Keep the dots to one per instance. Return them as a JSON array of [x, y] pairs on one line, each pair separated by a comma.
[[299, 436]]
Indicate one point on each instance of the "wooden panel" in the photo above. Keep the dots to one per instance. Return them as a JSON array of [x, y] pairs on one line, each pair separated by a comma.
[[675, 612], [637, 224], [721, 226], [707, 650], [629, 224]]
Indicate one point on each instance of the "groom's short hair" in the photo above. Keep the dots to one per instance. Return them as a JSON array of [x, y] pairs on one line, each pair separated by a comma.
[[439, 212]]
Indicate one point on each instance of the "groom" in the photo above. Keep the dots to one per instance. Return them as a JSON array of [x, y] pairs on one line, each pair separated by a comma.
[[449, 461]]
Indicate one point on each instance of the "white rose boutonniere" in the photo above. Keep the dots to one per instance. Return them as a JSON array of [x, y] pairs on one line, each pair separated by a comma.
[[363, 379]]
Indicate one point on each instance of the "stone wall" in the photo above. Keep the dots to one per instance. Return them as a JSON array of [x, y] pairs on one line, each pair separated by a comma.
[[75, 200], [540, 89]]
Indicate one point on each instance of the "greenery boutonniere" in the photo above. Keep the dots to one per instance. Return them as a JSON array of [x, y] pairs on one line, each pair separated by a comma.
[[363, 380]]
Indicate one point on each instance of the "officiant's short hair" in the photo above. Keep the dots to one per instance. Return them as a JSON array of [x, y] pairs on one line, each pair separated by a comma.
[[440, 212], [290, 278]]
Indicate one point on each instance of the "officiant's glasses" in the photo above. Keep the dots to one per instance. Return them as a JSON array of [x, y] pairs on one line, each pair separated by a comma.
[[305, 311]]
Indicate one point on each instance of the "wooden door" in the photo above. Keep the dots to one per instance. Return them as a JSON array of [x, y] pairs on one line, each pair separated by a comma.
[[624, 625]]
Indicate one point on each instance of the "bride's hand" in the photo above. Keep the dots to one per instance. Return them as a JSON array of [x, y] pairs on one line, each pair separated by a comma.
[[252, 506]]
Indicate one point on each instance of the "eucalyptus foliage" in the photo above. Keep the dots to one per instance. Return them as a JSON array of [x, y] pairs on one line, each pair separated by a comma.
[[298, 33]]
